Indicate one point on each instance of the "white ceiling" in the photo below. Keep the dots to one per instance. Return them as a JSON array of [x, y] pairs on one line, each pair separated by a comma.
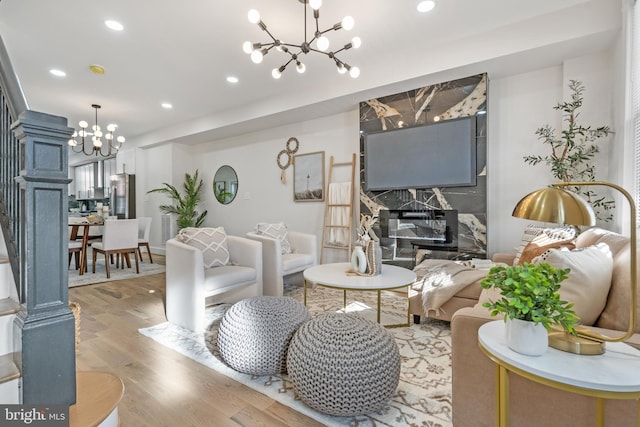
[[181, 52]]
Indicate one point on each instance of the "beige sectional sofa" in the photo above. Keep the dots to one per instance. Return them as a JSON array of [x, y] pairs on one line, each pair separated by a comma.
[[532, 404]]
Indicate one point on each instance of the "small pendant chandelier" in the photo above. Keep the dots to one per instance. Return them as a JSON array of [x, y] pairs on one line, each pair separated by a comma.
[[97, 146], [319, 43]]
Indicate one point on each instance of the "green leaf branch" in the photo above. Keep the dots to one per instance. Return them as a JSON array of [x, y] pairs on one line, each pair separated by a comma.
[[574, 150]]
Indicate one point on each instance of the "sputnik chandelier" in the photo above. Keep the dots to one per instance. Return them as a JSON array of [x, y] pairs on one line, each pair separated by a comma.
[[97, 146], [319, 43]]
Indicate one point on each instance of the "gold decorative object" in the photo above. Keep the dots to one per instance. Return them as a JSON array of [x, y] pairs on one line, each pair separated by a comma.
[[289, 152], [556, 205]]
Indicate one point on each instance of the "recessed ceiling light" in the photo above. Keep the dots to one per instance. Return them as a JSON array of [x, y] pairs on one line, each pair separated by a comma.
[[426, 6], [57, 73], [166, 105], [114, 25], [232, 79]]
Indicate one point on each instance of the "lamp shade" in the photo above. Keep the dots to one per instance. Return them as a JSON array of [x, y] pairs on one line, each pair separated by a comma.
[[555, 205]]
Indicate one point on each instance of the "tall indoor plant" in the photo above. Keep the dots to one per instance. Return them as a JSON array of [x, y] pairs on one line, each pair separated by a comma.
[[573, 151], [185, 207], [529, 293]]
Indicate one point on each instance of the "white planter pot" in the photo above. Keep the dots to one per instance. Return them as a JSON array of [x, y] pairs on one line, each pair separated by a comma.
[[526, 337]]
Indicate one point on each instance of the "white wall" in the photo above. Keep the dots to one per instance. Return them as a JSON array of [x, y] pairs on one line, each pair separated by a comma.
[[520, 104], [517, 106], [261, 197]]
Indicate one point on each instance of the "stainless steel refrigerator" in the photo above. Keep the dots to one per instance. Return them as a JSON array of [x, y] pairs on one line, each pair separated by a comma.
[[122, 196]]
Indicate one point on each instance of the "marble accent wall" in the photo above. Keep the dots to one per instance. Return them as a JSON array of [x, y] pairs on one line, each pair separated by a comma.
[[438, 102]]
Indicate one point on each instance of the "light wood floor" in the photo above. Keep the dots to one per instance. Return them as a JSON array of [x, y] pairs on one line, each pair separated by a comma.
[[162, 387]]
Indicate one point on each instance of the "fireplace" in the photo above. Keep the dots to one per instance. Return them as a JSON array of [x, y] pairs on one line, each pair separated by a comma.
[[401, 231]]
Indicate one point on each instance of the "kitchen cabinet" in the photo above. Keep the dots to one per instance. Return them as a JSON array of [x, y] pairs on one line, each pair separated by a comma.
[[92, 179]]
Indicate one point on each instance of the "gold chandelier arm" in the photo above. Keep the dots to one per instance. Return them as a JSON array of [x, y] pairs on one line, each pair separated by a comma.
[[632, 261]]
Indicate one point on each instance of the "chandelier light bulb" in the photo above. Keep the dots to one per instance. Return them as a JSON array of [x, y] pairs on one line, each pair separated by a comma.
[[426, 6], [112, 127], [82, 133], [97, 143], [83, 124], [279, 46], [109, 136], [348, 23], [315, 4], [354, 72], [322, 43], [300, 67], [276, 74], [356, 42], [247, 47], [341, 69], [257, 56], [120, 139], [253, 16], [98, 134], [75, 134], [72, 143]]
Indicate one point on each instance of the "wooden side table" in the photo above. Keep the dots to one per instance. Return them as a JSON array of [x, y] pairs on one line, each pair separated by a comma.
[[612, 375]]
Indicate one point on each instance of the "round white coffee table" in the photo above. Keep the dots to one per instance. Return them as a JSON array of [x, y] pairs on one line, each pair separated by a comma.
[[335, 276]]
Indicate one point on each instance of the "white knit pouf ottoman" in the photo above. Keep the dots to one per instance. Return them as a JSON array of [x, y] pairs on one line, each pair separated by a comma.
[[342, 364], [254, 333]]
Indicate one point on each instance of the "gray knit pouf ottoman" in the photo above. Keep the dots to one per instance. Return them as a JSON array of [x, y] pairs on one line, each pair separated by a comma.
[[342, 364], [254, 333]]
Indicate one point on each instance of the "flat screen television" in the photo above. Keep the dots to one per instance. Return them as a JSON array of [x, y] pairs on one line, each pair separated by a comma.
[[442, 154]]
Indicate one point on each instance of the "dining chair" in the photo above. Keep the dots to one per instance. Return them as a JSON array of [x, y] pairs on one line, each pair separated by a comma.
[[120, 237], [144, 227], [75, 248]]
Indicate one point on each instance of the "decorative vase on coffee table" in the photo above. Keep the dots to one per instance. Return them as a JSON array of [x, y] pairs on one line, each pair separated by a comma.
[[374, 258], [526, 337], [359, 260]]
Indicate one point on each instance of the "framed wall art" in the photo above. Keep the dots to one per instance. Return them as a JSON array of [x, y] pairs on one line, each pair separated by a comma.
[[308, 177]]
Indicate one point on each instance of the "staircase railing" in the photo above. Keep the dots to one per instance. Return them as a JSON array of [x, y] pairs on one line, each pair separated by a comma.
[[12, 103]]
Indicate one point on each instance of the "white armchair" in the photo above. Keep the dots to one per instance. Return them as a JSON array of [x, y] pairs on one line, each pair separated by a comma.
[[190, 287], [276, 265]]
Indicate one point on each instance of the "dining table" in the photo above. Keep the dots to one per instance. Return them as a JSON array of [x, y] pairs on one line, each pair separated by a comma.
[[75, 224]]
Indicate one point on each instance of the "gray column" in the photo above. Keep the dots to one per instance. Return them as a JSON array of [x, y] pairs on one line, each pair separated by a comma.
[[45, 326]]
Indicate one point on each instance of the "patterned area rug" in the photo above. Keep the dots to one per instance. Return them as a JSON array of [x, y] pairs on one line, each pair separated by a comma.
[[423, 397], [100, 275]]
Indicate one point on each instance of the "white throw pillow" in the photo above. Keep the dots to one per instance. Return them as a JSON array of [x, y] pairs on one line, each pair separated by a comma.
[[212, 242], [589, 280], [276, 231]]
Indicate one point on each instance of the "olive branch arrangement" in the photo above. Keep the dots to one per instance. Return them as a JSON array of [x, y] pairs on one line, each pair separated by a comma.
[[573, 151]]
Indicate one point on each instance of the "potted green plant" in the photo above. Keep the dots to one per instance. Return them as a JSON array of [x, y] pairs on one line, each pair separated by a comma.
[[530, 304], [186, 204]]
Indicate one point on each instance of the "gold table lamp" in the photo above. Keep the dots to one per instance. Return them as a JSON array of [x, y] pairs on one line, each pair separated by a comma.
[[556, 205]]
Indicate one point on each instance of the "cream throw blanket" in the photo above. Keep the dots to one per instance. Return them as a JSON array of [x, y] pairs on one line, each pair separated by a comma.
[[438, 280], [339, 193]]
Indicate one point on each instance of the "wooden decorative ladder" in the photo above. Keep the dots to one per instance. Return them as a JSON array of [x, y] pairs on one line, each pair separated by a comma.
[[329, 207]]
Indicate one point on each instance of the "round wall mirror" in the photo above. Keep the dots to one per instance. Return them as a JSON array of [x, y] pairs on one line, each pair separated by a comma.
[[225, 184]]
